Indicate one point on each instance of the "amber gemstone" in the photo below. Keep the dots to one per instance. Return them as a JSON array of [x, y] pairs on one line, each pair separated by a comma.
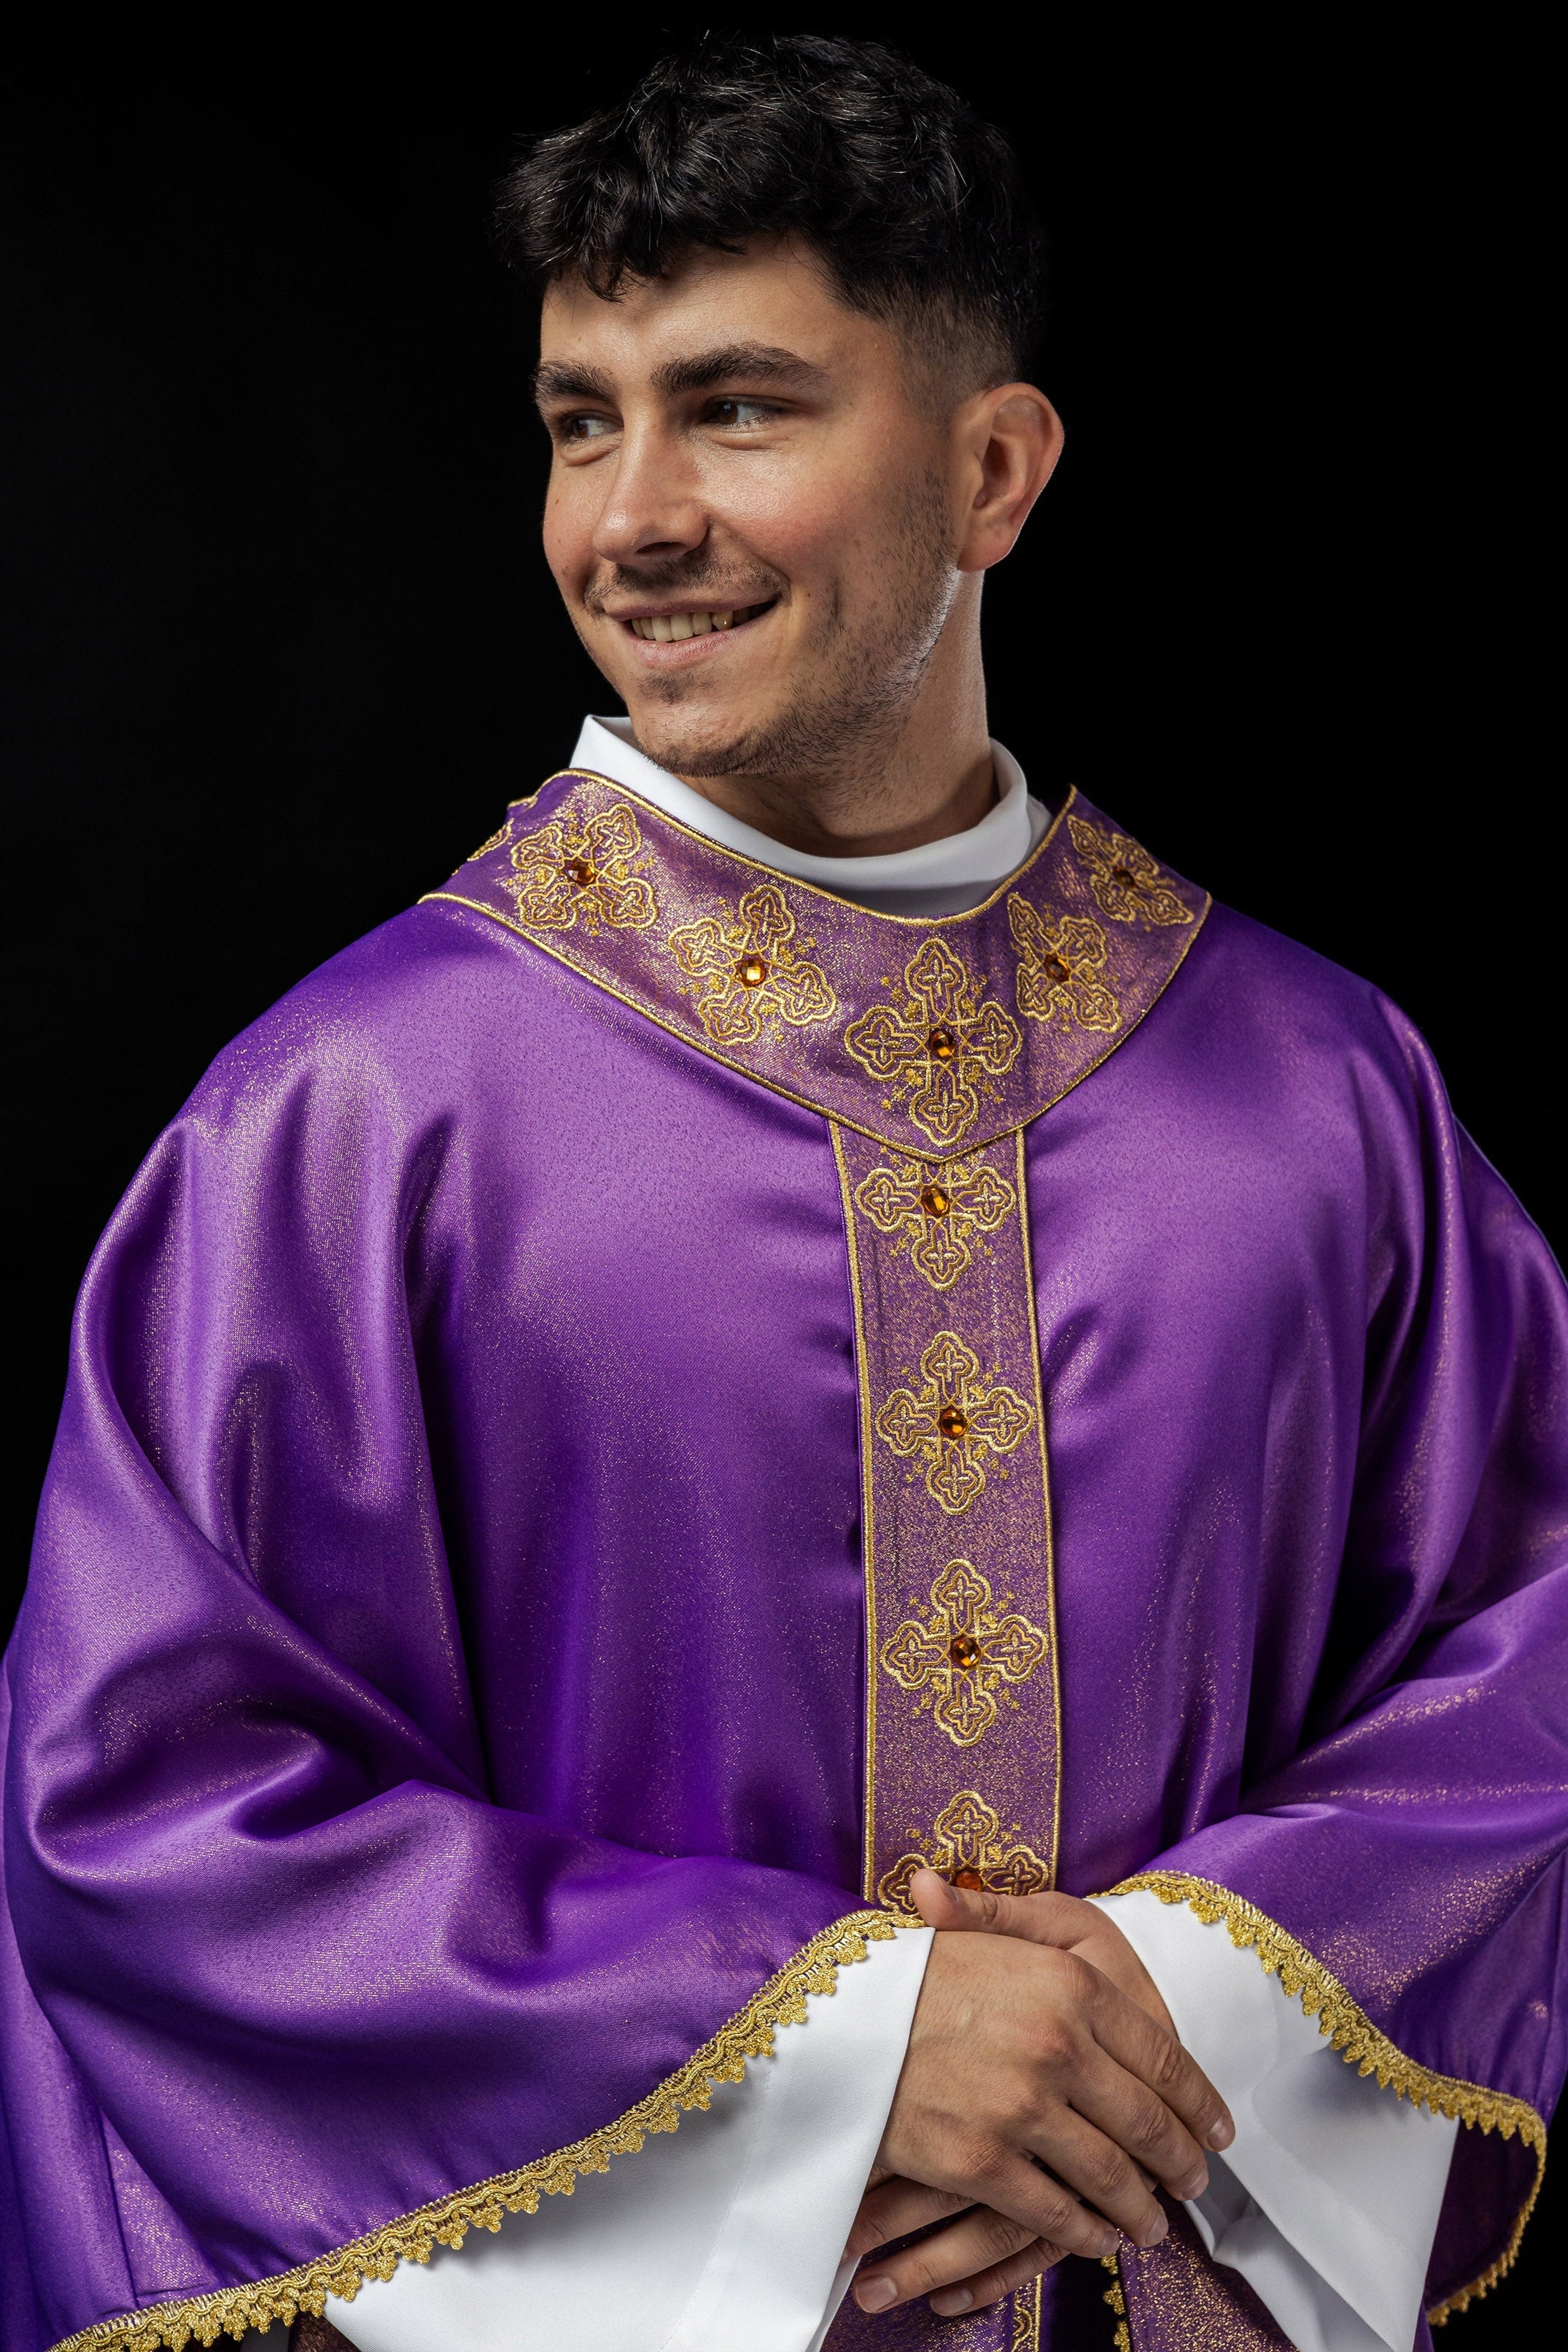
[[952, 1423], [964, 1650], [941, 1044], [969, 1878], [751, 971], [580, 872], [1056, 969], [936, 1202], [1125, 875]]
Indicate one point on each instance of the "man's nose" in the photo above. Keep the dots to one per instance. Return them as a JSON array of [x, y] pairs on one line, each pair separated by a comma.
[[652, 509]]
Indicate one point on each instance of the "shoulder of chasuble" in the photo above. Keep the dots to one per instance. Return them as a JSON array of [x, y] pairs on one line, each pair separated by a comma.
[[931, 1035]]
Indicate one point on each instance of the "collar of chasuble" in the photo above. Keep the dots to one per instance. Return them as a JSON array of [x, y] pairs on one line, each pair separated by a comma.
[[932, 1035]]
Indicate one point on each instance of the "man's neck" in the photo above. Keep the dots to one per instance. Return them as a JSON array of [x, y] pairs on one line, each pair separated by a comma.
[[827, 819]]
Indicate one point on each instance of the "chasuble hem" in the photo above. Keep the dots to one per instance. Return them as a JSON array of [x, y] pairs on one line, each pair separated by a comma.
[[448, 2220], [1362, 2044]]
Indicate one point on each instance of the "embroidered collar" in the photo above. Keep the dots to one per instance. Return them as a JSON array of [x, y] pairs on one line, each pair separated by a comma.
[[934, 1034]]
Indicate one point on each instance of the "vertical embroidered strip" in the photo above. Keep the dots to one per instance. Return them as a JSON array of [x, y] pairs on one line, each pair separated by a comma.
[[962, 1750]]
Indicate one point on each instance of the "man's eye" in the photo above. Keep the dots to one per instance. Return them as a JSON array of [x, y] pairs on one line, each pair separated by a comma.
[[741, 413], [584, 428]]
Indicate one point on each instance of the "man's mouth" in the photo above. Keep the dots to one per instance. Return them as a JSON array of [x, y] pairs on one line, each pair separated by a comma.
[[667, 628]]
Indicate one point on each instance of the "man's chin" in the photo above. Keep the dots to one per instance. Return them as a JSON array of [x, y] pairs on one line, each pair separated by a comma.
[[685, 746]]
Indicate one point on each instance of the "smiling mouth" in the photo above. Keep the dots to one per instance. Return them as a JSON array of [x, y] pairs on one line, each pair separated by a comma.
[[667, 628]]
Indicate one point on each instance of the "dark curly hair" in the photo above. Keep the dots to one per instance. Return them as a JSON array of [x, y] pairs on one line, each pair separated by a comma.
[[915, 206]]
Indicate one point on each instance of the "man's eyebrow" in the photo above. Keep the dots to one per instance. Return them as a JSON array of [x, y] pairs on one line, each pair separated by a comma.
[[557, 380], [753, 362]]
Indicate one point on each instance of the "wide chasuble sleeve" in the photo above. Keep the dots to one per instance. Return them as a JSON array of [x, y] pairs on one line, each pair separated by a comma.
[[614, 1426]]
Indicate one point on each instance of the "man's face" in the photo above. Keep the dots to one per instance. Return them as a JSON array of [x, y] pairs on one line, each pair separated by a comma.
[[749, 511]]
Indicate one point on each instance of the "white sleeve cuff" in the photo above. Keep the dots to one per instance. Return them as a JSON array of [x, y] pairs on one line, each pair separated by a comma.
[[730, 2231], [1327, 2199]]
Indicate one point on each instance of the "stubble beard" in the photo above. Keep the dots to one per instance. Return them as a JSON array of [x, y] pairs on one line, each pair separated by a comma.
[[859, 682]]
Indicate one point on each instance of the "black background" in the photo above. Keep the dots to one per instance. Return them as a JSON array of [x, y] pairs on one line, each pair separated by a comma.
[[280, 645]]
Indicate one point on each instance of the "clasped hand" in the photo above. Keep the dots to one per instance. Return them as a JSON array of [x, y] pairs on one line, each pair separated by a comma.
[[1043, 2096]]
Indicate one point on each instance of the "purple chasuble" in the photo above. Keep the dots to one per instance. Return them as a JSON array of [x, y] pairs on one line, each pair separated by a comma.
[[642, 1403]]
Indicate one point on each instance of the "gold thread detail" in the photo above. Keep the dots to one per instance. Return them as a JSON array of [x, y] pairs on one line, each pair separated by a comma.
[[1121, 2341], [963, 1654], [748, 2034], [1061, 967], [953, 1420], [966, 1844], [588, 872], [1026, 2317], [938, 1045], [868, 1523], [1360, 2044], [681, 1031], [747, 972], [938, 1211], [1127, 884]]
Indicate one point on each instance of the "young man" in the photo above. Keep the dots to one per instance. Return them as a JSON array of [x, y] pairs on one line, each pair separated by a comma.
[[807, 1366]]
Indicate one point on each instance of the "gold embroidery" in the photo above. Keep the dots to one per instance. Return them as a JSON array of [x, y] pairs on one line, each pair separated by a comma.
[[1060, 968], [748, 2034], [497, 840], [953, 1422], [1123, 877], [963, 1654], [1121, 2341], [968, 1845], [570, 872], [938, 1045], [749, 970], [1359, 2042], [937, 1212], [1026, 2317]]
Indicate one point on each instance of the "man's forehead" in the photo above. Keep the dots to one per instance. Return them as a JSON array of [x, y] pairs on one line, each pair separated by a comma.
[[713, 316]]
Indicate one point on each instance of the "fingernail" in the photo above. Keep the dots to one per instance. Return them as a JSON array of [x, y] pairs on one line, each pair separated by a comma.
[[1107, 2245], [951, 2300], [1195, 2185], [1156, 2231], [875, 2295], [1221, 2135]]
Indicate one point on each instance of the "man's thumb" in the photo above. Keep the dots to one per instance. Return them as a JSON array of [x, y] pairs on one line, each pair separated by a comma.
[[942, 1905]]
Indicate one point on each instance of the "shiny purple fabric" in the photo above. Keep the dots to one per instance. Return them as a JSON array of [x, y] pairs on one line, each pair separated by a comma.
[[437, 1701]]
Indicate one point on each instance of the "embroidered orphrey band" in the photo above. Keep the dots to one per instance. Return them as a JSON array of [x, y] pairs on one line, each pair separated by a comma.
[[962, 1747]]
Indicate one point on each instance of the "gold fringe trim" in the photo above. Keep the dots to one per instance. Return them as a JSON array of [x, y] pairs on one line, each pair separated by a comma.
[[411, 2239], [1360, 2044]]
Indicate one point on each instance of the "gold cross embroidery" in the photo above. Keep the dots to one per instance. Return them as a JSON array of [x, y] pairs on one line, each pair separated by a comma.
[[569, 873], [1060, 968], [749, 970], [953, 1422], [963, 1654], [938, 1044], [1125, 881], [937, 1212], [967, 1846]]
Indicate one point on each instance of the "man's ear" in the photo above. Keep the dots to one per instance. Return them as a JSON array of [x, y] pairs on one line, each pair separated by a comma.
[[1007, 443]]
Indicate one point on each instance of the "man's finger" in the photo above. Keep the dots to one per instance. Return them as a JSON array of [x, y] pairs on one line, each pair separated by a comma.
[[990, 2285], [1031, 1918], [1130, 2036], [974, 2247], [895, 2209]]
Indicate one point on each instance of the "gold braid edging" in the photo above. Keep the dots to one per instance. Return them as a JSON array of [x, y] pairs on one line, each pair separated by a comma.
[[411, 2239], [1360, 2044]]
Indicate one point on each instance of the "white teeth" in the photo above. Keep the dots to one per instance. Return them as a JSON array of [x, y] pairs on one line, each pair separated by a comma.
[[667, 628]]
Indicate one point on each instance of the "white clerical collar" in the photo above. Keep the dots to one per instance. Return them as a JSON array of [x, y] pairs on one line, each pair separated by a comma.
[[940, 878]]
